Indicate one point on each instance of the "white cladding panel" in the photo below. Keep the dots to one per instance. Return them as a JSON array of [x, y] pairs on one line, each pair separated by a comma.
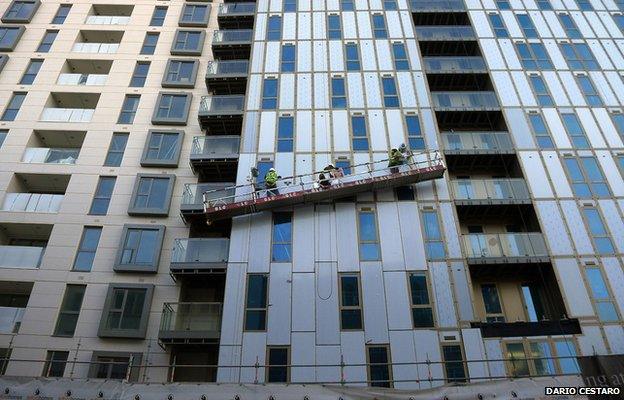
[[535, 174], [352, 348], [374, 303], [614, 222], [278, 319], [287, 92], [576, 225], [304, 56], [302, 353], [304, 128], [304, 25], [367, 55], [340, 131], [615, 276], [557, 175], [390, 237], [397, 301], [445, 307], [553, 227], [402, 351], [254, 350], [356, 90], [303, 256], [475, 350], [572, 288]]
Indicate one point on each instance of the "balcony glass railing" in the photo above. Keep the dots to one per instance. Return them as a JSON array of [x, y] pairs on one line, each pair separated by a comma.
[[476, 141], [482, 245], [28, 257], [233, 67], [232, 35], [219, 146], [82, 79], [490, 189], [221, 104], [465, 100], [107, 20], [10, 319], [49, 155], [189, 317], [194, 193], [454, 64], [67, 114], [106, 48], [226, 9], [437, 5], [442, 32], [32, 202], [200, 250]]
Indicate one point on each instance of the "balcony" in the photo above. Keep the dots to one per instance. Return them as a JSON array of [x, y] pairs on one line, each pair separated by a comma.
[[232, 44], [200, 255], [11, 319], [222, 114], [32, 202], [450, 65], [437, 5], [445, 33], [490, 191], [98, 41], [523, 328], [109, 14], [193, 198], [465, 101], [70, 107], [107, 20], [190, 323], [476, 142], [24, 257], [505, 248], [82, 79], [227, 77], [237, 15], [46, 155], [215, 158], [67, 115], [102, 48]]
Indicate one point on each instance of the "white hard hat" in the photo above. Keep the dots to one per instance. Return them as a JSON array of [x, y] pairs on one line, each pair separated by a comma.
[[271, 169]]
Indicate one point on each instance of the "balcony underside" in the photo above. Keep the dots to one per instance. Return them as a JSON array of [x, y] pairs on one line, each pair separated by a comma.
[[431, 48], [437, 17], [196, 268], [231, 51], [215, 168], [182, 337], [459, 81], [473, 160], [236, 21], [519, 270], [488, 260], [492, 209], [226, 84], [473, 120], [226, 123], [519, 329]]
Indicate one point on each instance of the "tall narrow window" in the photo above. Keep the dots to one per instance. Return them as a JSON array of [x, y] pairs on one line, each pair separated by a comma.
[[454, 363], [585, 5], [390, 5], [575, 131], [274, 30], [290, 5], [618, 121], [503, 5], [61, 14], [422, 309], [334, 30], [46, 42], [542, 135], [569, 364], [278, 370], [379, 27], [589, 91], [492, 303], [288, 58], [527, 26], [544, 5], [390, 94], [345, 166], [116, 150], [359, 142], [569, 26], [350, 303], [499, 27], [70, 310], [126, 311], [338, 93], [541, 91], [399, 54], [139, 76], [587, 177], [149, 43], [158, 17], [3, 135], [414, 133], [269, 94], [55, 364], [87, 248], [257, 302], [598, 232], [282, 237], [285, 134], [12, 109], [103, 194], [346, 5], [619, 21], [434, 246], [379, 373], [31, 72], [129, 109], [534, 56], [579, 56], [353, 57], [601, 295], [368, 236]]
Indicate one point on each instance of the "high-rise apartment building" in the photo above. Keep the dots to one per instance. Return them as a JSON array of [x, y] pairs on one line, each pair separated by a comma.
[[117, 120]]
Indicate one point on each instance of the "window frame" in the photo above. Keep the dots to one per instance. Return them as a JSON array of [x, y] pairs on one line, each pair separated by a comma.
[[81, 249], [334, 33], [288, 4], [289, 215], [198, 24], [588, 90], [151, 211], [268, 102], [111, 151], [13, 108], [543, 97], [168, 83], [579, 62], [97, 196], [529, 31], [569, 26], [596, 237], [27, 73], [428, 240], [337, 99], [537, 64], [578, 140], [149, 49], [359, 307], [4, 58], [263, 310], [400, 64], [413, 305], [188, 52], [274, 35], [539, 136], [183, 120], [285, 143], [456, 362], [59, 15], [376, 242], [587, 182], [20, 31], [62, 312], [23, 20], [414, 137], [378, 31], [387, 365], [126, 112], [352, 64], [390, 100], [157, 20], [45, 45], [269, 367], [141, 78], [498, 26], [133, 359], [119, 266], [363, 138], [596, 301], [287, 66], [140, 333], [50, 360], [157, 162]]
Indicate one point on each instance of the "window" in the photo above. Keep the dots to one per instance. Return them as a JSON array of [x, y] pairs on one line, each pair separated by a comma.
[[3, 135], [5, 355], [278, 370], [12, 109], [541, 91], [285, 134], [579, 56], [70, 310], [400, 57], [533, 56], [47, 41], [569, 26], [61, 14], [566, 348], [379, 374], [527, 26], [499, 27], [352, 57], [288, 58], [390, 5], [274, 30], [139, 248], [126, 311], [180, 73], [3, 60], [269, 94], [619, 4], [586, 177], [162, 148], [422, 309], [589, 91], [55, 364], [544, 4], [454, 363], [172, 108], [619, 21], [368, 237], [492, 303], [359, 141], [158, 16], [544, 141], [194, 14], [257, 302], [116, 150], [575, 131], [414, 133], [584, 5], [139, 76], [350, 303], [618, 121], [21, 11], [600, 294], [540, 358], [188, 43], [149, 43], [434, 246], [334, 30], [345, 165], [290, 5], [599, 234], [282, 237], [114, 365], [9, 36], [379, 27], [338, 93], [129, 109], [102, 197], [404, 193], [346, 5], [31, 72], [152, 195], [390, 95], [503, 4], [88, 246], [263, 168]]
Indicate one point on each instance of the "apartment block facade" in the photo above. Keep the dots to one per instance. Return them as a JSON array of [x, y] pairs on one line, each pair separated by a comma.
[[120, 119]]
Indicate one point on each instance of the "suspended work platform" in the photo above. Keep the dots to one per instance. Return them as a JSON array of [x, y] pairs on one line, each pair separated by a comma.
[[300, 189]]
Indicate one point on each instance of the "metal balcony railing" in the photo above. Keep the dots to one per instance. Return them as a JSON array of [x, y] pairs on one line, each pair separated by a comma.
[[232, 36], [223, 67], [442, 32], [454, 64], [82, 79], [221, 104], [215, 146], [476, 141], [191, 317], [27, 257], [483, 245], [490, 189], [10, 319], [194, 193], [233, 9], [48, 155], [465, 100], [67, 114], [437, 5], [200, 251], [32, 202]]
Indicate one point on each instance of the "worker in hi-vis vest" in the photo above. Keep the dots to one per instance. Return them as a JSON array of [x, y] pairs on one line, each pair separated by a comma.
[[270, 182]]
